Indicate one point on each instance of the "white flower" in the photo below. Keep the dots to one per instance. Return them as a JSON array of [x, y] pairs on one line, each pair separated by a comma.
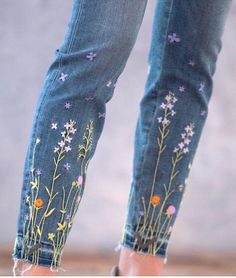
[[68, 139], [163, 105], [54, 126], [168, 98], [170, 106], [183, 135], [176, 149], [73, 130], [181, 88], [173, 112], [67, 148], [181, 145], [165, 121], [174, 99], [67, 125], [187, 141], [56, 149], [186, 150], [63, 133], [61, 144], [63, 77], [159, 119]]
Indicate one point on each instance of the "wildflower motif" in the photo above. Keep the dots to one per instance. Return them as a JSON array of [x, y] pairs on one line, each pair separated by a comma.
[[183, 145], [51, 236], [91, 56], [38, 203], [61, 226], [101, 115], [38, 172], [109, 83], [201, 87], [67, 166], [191, 63], [155, 200], [173, 38], [181, 88], [63, 77], [170, 210], [54, 126], [203, 113], [68, 105]]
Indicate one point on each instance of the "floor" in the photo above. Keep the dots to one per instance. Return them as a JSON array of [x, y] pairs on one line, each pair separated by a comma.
[[100, 263]]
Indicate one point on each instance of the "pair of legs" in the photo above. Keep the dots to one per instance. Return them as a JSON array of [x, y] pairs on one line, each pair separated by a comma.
[[70, 115]]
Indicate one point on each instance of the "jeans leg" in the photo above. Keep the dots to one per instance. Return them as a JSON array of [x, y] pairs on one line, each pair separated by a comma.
[[186, 40], [68, 122]]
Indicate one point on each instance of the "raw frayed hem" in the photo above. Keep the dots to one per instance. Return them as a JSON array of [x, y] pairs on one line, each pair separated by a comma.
[[125, 245], [19, 270]]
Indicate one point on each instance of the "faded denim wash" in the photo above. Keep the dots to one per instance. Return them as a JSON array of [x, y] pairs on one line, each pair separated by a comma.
[[71, 110]]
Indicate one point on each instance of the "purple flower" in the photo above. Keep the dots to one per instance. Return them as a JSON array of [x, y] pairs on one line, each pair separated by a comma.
[[67, 166], [91, 56], [38, 172], [68, 105], [173, 38]]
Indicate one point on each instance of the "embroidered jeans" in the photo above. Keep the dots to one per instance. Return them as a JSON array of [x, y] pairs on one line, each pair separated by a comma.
[[71, 109]]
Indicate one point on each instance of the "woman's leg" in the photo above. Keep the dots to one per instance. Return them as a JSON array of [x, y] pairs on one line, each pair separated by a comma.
[[68, 122], [186, 41]]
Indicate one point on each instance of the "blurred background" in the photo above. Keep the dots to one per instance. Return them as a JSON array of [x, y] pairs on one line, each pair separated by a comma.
[[204, 239]]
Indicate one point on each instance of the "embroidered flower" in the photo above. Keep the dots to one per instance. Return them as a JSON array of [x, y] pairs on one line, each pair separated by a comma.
[[191, 63], [181, 88], [101, 115], [67, 166], [179, 187], [155, 200], [67, 148], [170, 210], [38, 203], [56, 149], [91, 56], [201, 87], [173, 38], [183, 145], [109, 83], [68, 105], [63, 77], [54, 126], [203, 113], [51, 236], [38, 172], [61, 143], [61, 226], [68, 139]]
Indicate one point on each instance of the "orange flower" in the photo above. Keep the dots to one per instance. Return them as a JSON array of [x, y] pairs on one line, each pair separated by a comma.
[[38, 203], [155, 200]]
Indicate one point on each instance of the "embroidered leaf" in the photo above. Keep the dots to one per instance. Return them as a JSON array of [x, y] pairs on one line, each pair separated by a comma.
[[50, 212], [47, 190], [39, 231], [54, 161], [63, 211], [57, 176]]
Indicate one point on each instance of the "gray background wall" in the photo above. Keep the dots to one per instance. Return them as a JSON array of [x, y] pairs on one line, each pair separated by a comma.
[[30, 31]]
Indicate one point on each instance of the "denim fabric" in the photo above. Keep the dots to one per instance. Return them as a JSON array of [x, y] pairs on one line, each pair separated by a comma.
[[71, 110]]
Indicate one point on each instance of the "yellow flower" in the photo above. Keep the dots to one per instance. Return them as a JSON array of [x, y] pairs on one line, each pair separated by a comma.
[[27, 199], [51, 236], [61, 226]]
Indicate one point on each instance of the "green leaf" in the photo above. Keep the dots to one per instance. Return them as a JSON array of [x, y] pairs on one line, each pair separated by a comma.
[[50, 212]]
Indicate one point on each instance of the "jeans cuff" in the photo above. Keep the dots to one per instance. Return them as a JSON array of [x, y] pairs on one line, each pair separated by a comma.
[[41, 254], [157, 247]]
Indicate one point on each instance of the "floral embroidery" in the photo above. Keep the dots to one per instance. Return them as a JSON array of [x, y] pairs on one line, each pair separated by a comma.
[[109, 83], [173, 38], [54, 126], [68, 105], [191, 63], [151, 228], [101, 115], [203, 113], [201, 87], [63, 77], [181, 88], [91, 56], [34, 225]]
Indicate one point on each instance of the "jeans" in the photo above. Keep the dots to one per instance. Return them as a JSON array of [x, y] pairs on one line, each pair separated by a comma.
[[71, 111]]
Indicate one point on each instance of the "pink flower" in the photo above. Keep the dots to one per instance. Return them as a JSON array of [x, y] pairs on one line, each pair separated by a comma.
[[170, 210], [79, 180]]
